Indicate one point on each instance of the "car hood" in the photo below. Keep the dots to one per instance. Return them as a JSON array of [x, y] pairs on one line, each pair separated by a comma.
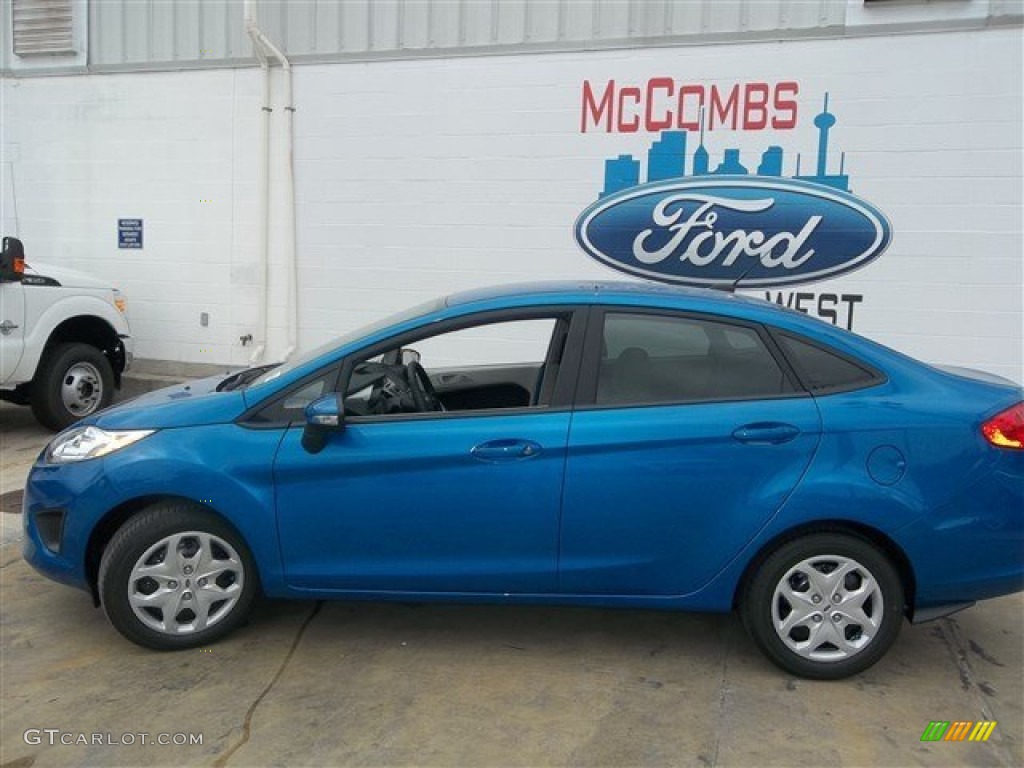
[[68, 278], [184, 405]]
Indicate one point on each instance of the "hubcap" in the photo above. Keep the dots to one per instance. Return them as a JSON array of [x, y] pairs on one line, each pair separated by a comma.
[[81, 389], [827, 631], [185, 583]]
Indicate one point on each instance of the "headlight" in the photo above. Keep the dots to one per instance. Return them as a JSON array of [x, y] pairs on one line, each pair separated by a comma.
[[90, 442]]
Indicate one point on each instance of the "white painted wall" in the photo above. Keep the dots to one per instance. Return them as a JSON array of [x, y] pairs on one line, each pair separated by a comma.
[[94, 149], [416, 178]]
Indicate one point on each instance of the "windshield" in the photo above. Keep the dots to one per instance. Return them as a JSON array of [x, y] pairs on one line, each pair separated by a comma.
[[367, 330]]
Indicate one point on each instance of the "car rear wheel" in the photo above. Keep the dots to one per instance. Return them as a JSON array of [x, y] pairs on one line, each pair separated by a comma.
[[176, 577], [824, 606], [72, 382]]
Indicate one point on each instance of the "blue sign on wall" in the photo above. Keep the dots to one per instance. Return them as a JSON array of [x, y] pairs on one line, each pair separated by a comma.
[[129, 233]]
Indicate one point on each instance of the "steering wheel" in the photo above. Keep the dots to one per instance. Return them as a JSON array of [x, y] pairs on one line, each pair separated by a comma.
[[422, 388], [390, 392]]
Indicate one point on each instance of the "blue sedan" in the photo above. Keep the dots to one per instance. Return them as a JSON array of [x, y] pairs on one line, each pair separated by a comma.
[[606, 445]]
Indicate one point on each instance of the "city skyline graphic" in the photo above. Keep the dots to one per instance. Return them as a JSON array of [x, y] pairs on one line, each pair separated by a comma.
[[667, 159]]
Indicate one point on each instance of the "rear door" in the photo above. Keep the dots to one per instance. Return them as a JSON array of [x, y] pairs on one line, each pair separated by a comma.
[[689, 435]]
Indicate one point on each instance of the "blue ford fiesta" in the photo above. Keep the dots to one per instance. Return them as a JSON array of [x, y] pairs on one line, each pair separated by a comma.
[[611, 444]]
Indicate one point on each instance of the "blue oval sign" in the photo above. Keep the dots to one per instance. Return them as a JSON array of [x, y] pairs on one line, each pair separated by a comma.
[[712, 231]]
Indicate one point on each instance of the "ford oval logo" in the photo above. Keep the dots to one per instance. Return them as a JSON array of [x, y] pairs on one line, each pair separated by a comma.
[[712, 231]]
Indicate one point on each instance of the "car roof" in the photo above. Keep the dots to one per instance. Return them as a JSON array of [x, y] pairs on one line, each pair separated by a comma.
[[654, 295], [587, 291]]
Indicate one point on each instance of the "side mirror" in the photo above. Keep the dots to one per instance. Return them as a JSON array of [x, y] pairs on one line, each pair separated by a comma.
[[12, 260], [323, 416]]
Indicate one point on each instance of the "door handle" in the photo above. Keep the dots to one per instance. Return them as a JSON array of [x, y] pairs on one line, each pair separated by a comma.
[[506, 450], [766, 433]]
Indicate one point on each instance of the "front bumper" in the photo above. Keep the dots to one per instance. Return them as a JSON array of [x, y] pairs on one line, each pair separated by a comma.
[[122, 356], [62, 504]]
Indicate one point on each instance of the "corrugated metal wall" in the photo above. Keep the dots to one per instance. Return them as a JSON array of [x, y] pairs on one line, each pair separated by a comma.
[[5, 30], [163, 34], [134, 32], [174, 33]]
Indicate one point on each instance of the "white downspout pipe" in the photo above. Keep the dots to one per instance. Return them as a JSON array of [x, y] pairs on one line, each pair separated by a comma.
[[290, 247], [264, 48], [262, 250]]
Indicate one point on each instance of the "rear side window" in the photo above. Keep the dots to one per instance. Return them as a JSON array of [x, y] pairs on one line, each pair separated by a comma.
[[824, 370], [650, 359], [658, 336]]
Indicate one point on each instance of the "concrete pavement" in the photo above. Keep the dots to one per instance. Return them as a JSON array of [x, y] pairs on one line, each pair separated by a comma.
[[374, 684], [21, 439], [396, 685]]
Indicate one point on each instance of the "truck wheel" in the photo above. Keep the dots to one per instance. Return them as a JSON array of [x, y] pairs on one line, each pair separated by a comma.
[[72, 381]]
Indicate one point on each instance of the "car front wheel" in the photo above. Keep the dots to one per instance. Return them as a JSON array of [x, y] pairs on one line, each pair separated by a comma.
[[824, 606], [176, 577]]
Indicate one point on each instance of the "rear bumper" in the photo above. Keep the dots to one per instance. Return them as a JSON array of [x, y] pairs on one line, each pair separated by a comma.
[[973, 547], [922, 615]]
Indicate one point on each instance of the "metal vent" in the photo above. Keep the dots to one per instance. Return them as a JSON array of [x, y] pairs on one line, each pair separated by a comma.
[[42, 26]]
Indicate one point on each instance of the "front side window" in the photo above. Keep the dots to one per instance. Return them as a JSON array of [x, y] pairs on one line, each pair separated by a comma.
[[291, 407], [649, 359], [492, 365]]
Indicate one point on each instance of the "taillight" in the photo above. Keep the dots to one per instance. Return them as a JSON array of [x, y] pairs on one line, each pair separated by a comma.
[[1006, 429]]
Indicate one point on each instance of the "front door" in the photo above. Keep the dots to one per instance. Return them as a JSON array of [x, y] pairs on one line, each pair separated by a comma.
[[422, 506], [460, 495]]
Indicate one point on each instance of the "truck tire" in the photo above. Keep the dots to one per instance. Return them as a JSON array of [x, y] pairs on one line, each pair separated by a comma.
[[72, 382]]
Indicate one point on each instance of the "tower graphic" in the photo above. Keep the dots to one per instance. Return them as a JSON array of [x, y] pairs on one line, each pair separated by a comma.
[[700, 157], [824, 121], [771, 162], [666, 155], [620, 173], [731, 165], [666, 159]]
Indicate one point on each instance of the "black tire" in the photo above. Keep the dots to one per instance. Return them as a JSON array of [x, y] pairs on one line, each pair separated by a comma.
[[858, 644], [58, 364], [144, 531]]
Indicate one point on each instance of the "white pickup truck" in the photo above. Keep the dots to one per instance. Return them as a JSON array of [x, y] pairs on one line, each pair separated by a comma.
[[64, 339]]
